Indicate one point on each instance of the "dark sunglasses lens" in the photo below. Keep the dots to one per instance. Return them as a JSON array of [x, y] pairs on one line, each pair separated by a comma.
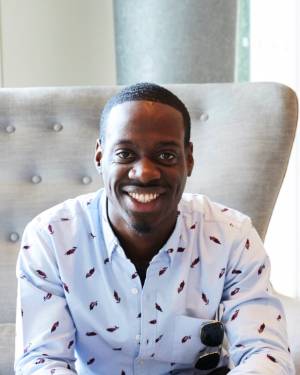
[[212, 334], [208, 361], [220, 371]]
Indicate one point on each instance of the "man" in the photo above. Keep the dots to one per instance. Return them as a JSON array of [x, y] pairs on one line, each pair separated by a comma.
[[139, 278]]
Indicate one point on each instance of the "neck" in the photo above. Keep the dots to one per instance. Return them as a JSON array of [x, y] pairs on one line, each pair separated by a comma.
[[141, 247]]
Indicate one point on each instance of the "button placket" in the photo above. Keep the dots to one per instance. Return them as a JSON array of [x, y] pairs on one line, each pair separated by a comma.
[[135, 297], [134, 291], [149, 314]]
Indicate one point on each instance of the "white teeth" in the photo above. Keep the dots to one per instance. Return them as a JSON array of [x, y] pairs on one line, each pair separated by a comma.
[[144, 198]]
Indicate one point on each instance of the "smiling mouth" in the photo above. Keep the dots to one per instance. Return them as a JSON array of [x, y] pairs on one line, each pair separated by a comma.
[[144, 198]]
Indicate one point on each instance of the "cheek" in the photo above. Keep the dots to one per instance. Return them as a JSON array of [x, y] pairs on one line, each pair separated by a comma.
[[113, 176]]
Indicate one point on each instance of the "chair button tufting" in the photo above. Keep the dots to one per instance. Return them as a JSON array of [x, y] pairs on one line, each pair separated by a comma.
[[14, 237], [36, 179], [204, 116], [10, 129], [86, 180], [57, 127]]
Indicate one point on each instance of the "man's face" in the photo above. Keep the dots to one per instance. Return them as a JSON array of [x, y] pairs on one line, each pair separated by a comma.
[[145, 164]]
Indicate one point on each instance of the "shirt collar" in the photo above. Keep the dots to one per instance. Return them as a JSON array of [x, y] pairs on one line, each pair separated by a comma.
[[110, 238], [175, 241]]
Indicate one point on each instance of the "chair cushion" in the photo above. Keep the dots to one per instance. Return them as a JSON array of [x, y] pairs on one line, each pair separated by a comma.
[[7, 344]]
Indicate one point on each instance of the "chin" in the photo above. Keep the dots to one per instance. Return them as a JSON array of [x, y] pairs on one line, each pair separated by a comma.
[[142, 228]]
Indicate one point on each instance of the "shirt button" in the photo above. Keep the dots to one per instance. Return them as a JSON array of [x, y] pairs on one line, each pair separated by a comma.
[[134, 291], [138, 337], [141, 362]]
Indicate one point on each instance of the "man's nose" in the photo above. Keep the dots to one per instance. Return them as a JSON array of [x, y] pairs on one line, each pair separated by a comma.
[[145, 171]]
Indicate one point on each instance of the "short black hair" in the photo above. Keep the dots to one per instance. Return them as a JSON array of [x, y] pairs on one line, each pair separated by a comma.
[[151, 92]]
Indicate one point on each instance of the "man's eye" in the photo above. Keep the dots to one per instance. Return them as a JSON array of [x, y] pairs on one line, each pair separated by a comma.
[[167, 156], [124, 155]]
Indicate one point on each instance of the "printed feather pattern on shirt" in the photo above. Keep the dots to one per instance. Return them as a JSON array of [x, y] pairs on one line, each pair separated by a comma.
[[181, 286], [235, 314], [91, 333], [162, 271], [54, 326], [93, 304], [39, 361], [71, 251], [70, 344], [90, 361], [42, 274], [185, 339], [261, 328], [50, 229], [66, 288], [221, 273], [47, 296], [90, 273], [215, 239], [271, 358], [92, 235], [117, 297], [205, 299], [261, 268], [112, 329], [158, 338], [235, 291], [195, 262]]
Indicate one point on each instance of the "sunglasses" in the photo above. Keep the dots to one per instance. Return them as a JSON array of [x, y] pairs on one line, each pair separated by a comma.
[[211, 335]]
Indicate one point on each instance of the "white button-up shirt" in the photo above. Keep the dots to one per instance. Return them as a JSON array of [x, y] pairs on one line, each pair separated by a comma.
[[82, 308]]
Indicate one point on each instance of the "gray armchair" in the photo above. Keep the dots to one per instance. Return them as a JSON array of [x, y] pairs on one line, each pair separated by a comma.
[[242, 134]]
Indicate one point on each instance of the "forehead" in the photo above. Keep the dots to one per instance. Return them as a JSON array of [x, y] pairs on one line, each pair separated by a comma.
[[138, 118]]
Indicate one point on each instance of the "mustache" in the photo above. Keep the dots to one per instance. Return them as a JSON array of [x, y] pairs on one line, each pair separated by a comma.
[[134, 186], [141, 185]]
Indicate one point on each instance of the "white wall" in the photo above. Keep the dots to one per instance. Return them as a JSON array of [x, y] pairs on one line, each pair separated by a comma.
[[275, 56], [57, 42]]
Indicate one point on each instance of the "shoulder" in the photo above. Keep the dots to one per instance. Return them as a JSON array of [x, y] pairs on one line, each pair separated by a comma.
[[198, 205], [67, 210]]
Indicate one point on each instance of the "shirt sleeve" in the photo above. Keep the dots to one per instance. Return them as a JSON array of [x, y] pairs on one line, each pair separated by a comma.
[[253, 317], [45, 333]]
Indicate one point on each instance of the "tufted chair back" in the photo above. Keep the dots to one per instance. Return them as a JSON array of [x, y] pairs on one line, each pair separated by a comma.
[[242, 135]]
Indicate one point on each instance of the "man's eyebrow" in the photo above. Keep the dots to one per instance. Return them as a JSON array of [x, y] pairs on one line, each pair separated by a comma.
[[168, 144], [125, 142], [160, 144]]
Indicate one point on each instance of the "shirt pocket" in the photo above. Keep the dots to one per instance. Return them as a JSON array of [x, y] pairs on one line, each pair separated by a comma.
[[186, 340]]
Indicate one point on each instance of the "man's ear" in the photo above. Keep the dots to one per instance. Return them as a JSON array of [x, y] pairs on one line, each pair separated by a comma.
[[98, 155], [190, 159]]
